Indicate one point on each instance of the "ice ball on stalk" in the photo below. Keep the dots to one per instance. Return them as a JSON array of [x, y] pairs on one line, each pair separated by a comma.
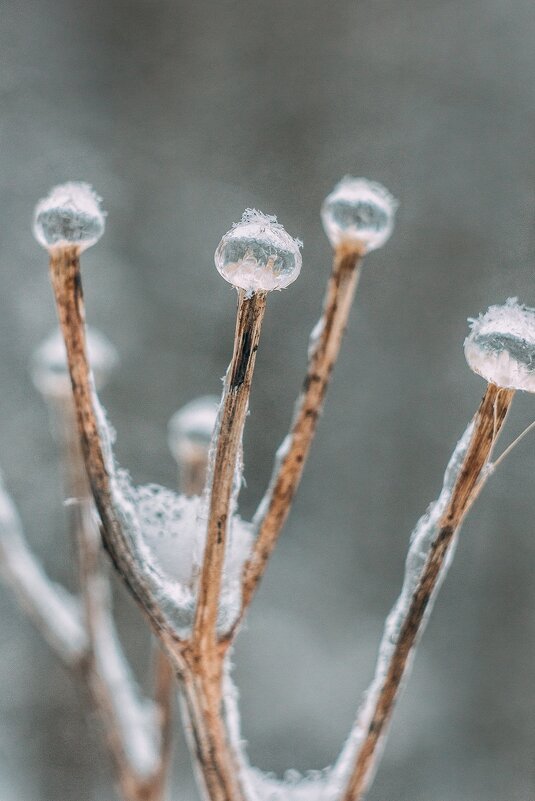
[[258, 255], [70, 215], [359, 212], [191, 427], [49, 369], [501, 346]]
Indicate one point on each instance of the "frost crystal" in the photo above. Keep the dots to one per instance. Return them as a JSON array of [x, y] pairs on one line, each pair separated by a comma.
[[70, 215], [360, 212], [192, 426], [258, 255], [49, 363], [501, 346], [173, 528]]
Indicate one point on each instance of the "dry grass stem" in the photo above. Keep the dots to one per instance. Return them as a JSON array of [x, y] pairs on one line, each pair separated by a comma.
[[228, 437], [488, 422], [323, 353]]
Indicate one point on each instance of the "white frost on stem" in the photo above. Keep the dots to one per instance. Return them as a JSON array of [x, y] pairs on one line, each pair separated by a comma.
[[174, 529], [421, 541], [54, 611]]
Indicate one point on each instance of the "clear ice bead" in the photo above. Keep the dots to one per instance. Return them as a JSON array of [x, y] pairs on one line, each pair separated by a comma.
[[69, 215], [501, 346], [360, 212], [257, 254]]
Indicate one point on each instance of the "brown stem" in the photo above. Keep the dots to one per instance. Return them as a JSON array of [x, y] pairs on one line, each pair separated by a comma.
[[323, 353], [228, 436], [129, 561], [201, 675], [110, 683], [488, 422]]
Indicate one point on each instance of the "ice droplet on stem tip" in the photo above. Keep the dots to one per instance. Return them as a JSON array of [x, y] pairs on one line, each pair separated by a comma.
[[359, 212], [70, 214], [49, 369], [192, 425], [501, 346], [258, 255]]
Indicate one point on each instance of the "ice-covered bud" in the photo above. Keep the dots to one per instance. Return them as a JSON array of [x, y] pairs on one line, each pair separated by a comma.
[[191, 427], [501, 346], [359, 212], [49, 363], [69, 215], [257, 254]]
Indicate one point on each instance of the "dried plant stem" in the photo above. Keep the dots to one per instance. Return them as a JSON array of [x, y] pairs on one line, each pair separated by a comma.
[[323, 353], [203, 671], [67, 285], [199, 667], [488, 422], [227, 437], [134, 746]]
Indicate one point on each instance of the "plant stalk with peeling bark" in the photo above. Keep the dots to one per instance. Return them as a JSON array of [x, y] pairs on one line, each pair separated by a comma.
[[376, 715], [323, 353]]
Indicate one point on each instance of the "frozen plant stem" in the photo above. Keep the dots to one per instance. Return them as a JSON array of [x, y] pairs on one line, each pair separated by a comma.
[[376, 715], [324, 348], [133, 742], [228, 439]]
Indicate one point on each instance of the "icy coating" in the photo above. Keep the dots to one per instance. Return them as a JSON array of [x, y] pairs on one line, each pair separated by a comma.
[[173, 527], [421, 541], [257, 254], [71, 214], [49, 369], [501, 346], [360, 212], [193, 425]]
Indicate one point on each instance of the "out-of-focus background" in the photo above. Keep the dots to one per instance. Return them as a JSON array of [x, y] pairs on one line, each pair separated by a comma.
[[181, 114]]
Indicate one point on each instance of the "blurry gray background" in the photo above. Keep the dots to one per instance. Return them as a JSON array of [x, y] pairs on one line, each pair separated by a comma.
[[181, 114]]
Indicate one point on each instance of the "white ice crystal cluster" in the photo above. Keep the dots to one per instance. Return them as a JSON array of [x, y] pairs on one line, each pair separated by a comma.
[[49, 369], [501, 346], [359, 212], [173, 528], [192, 426], [70, 214], [258, 255]]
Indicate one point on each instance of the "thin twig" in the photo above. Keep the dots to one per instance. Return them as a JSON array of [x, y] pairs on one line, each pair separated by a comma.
[[228, 437], [126, 551], [323, 353], [379, 704], [128, 721]]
